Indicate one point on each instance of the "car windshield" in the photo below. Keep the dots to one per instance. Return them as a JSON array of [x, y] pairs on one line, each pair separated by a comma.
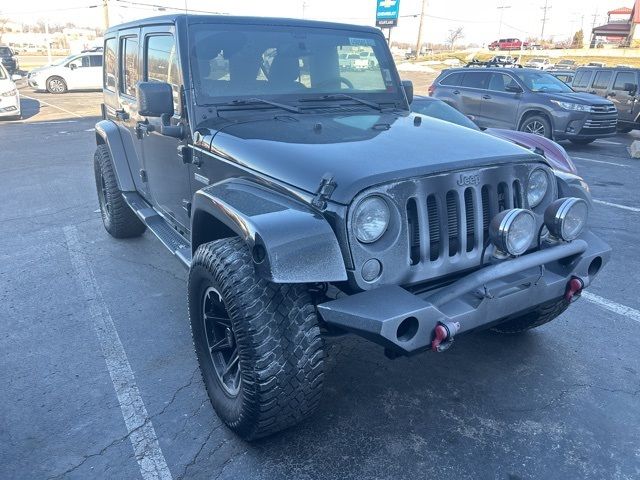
[[542, 82], [60, 62], [440, 110], [3, 73], [230, 62]]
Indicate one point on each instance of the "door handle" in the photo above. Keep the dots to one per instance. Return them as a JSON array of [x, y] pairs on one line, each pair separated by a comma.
[[122, 115], [142, 128], [486, 97], [593, 92], [456, 92], [611, 94]]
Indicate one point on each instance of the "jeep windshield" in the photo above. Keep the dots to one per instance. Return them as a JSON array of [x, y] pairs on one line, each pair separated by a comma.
[[288, 64], [542, 82]]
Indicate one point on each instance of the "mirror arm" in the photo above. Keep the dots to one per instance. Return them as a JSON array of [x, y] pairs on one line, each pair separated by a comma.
[[168, 130]]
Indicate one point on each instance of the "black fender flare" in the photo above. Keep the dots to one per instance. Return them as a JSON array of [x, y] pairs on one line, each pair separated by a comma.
[[107, 133], [289, 242]]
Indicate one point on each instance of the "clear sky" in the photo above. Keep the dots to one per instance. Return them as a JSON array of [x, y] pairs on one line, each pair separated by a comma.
[[480, 18]]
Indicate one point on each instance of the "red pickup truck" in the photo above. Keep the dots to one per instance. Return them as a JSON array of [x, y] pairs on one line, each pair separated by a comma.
[[508, 44]]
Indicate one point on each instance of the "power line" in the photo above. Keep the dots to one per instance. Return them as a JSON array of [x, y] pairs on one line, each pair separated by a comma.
[[544, 17]]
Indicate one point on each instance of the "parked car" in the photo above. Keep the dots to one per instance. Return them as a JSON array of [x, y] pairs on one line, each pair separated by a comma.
[[565, 76], [508, 44], [527, 100], [619, 85], [554, 153], [596, 64], [9, 59], [9, 95], [506, 61], [76, 72], [539, 63], [566, 65], [371, 59], [423, 230]]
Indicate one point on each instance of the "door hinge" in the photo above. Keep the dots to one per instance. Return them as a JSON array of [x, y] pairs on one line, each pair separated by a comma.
[[186, 204], [143, 175], [184, 152]]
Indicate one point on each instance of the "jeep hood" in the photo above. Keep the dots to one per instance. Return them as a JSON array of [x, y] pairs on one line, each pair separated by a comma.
[[357, 150]]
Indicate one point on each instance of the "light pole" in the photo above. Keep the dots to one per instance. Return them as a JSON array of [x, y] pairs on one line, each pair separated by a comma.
[[502, 8]]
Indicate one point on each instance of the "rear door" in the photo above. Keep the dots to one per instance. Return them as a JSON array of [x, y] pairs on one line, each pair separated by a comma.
[[167, 173], [448, 89], [601, 81], [624, 100], [582, 79], [472, 90], [499, 106]]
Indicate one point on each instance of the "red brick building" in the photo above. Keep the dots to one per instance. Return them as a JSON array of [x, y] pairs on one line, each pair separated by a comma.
[[621, 27]]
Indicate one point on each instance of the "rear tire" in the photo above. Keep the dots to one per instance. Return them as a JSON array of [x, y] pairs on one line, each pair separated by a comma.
[[538, 125], [268, 331], [582, 141], [541, 315], [56, 85], [117, 217]]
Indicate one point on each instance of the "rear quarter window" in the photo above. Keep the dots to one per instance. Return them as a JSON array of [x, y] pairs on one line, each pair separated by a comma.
[[452, 80]]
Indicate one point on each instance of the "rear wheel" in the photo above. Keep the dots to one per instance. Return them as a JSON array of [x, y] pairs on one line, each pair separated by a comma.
[[538, 125], [582, 141], [56, 85], [258, 343], [541, 315]]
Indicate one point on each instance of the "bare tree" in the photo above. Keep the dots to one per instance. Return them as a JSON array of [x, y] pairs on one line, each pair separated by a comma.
[[3, 22], [454, 36]]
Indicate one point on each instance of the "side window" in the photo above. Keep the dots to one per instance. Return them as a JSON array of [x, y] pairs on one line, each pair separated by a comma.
[[582, 78], [161, 64], [129, 74], [622, 78], [95, 60], [602, 79], [476, 80], [452, 80], [110, 64], [75, 63], [500, 81]]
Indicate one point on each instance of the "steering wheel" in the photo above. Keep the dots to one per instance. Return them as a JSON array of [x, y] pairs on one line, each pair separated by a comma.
[[344, 80]]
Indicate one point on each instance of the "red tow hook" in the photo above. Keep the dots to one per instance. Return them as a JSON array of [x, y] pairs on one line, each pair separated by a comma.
[[574, 289], [443, 335]]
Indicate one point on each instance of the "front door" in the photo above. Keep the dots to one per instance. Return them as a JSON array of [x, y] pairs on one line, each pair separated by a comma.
[[624, 100], [167, 173]]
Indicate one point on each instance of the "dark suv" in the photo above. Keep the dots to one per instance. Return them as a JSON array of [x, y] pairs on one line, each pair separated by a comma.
[[307, 200], [620, 85], [9, 59], [528, 100]]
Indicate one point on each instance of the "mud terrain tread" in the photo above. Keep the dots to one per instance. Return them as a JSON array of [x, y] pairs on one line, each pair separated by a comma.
[[541, 315]]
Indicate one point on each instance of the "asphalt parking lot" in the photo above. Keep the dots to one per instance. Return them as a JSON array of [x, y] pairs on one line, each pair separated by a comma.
[[77, 305]]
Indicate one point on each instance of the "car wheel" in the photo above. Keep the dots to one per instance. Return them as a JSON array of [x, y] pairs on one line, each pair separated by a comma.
[[582, 141], [117, 217], [258, 343], [538, 125], [541, 315], [56, 85]]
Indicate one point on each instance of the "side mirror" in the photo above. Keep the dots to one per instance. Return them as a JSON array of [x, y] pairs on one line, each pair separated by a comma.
[[73, 66], [513, 89], [155, 99], [630, 87], [15, 77], [407, 85]]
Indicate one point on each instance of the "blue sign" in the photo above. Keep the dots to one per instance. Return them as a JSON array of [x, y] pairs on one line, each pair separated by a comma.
[[387, 13]]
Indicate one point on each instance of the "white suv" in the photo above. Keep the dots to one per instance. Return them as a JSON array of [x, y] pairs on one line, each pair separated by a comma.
[[76, 72], [9, 95]]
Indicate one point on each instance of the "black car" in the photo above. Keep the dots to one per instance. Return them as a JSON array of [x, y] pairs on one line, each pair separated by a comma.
[[307, 200], [528, 100], [9, 59]]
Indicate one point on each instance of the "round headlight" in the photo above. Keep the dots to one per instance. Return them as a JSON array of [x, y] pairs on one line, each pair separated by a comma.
[[566, 217], [537, 187], [371, 219], [512, 231]]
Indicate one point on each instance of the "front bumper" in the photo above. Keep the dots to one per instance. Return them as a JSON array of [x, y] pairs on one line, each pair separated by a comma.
[[10, 106], [583, 125], [482, 298]]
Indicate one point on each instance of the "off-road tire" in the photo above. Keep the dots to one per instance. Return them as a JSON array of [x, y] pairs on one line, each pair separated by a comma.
[[582, 141], [535, 318], [543, 121], [119, 220], [281, 356], [52, 89]]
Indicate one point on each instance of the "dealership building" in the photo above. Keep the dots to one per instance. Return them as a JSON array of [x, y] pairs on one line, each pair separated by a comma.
[[622, 27]]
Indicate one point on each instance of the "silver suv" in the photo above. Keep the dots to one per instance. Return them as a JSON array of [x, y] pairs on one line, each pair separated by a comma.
[[527, 100]]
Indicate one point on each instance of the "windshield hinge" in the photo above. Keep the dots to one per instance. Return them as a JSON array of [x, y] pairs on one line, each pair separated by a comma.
[[325, 189]]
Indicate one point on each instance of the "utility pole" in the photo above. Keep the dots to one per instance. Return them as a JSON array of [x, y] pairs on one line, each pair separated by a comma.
[[46, 31], [544, 18], [502, 9], [419, 41], [105, 13], [304, 8]]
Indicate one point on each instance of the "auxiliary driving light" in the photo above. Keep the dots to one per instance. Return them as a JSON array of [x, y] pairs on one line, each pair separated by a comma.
[[512, 231], [566, 217]]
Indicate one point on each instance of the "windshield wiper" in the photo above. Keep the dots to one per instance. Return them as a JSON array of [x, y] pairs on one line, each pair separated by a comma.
[[252, 101], [343, 96]]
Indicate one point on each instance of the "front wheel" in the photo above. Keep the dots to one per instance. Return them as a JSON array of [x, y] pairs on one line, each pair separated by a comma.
[[537, 125], [582, 141], [535, 318], [56, 85], [258, 343]]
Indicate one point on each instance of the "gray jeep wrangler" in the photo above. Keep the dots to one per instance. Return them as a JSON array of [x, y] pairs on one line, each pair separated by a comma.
[[306, 200]]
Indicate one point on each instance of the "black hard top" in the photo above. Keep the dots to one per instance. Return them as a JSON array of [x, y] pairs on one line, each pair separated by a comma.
[[230, 20], [591, 67]]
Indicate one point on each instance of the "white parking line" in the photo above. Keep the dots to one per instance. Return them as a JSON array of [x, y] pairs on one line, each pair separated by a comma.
[[139, 427], [617, 205], [54, 106], [608, 142], [600, 161], [630, 313]]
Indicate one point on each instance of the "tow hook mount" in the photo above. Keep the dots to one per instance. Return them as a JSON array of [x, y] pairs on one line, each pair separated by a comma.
[[574, 289], [443, 335]]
